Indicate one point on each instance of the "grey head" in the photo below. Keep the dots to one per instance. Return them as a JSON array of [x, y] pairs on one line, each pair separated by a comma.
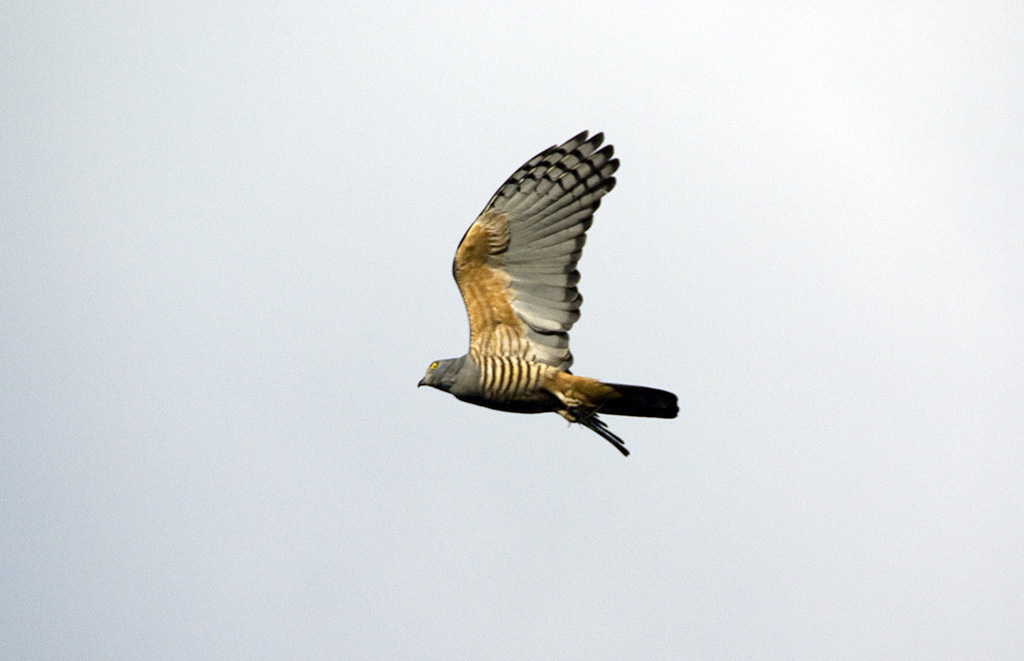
[[442, 374]]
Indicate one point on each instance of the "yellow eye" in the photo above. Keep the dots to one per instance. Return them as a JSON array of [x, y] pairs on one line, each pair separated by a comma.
[[433, 365]]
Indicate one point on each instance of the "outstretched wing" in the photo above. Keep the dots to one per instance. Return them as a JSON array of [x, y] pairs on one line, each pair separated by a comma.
[[516, 265]]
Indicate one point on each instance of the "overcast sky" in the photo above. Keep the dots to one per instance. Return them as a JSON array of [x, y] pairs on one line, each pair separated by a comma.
[[225, 263]]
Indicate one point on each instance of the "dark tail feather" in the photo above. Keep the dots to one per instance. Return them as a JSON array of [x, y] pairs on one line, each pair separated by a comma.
[[641, 401], [595, 424]]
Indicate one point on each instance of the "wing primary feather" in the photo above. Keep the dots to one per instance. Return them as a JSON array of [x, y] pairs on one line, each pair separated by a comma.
[[571, 249], [565, 229], [516, 266], [514, 184], [586, 177]]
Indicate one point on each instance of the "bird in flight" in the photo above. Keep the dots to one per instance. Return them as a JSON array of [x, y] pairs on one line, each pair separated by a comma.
[[516, 270]]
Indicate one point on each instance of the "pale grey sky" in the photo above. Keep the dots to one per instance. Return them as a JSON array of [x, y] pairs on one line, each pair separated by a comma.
[[227, 237]]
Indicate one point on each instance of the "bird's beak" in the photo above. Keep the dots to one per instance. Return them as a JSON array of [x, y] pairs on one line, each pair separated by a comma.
[[422, 382]]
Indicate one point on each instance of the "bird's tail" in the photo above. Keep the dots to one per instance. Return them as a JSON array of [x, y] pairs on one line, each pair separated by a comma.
[[640, 401]]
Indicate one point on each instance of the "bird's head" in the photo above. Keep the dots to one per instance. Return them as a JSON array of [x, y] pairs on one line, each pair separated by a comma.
[[442, 373]]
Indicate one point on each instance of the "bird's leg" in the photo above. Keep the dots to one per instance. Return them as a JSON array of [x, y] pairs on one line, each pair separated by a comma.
[[577, 406]]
